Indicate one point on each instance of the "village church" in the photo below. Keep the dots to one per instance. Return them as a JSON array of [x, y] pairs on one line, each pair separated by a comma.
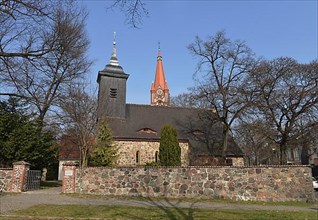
[[136, 128]]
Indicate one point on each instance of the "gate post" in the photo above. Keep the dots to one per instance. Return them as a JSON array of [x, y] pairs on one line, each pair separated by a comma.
[[69, 174], [19, 175]]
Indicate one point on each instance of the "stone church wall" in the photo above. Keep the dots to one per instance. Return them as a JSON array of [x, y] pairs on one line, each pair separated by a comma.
[[127, 151], [237, 161], [276, 183]]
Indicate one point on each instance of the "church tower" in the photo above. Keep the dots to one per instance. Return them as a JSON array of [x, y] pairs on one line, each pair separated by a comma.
[[112, 88], [159, 92]]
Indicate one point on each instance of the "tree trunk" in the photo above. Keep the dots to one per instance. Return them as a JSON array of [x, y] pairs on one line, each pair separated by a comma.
[[225, 143], [282, 152], [84, 158], [256, 159]]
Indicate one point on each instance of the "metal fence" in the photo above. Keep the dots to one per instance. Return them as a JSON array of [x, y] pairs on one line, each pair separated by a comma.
[[33, 180]]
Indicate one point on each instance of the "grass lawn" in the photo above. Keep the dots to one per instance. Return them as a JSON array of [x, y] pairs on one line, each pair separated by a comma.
[[121, 212], [196, 200]]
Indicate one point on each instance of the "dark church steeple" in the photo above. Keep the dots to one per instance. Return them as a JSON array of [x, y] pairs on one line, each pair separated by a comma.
[[112, 88]]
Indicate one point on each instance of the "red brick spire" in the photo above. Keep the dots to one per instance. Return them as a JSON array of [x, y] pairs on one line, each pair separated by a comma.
[[159, 89]]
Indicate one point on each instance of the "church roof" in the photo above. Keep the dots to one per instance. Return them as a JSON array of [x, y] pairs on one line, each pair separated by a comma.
[[68, 148], [196, 126]]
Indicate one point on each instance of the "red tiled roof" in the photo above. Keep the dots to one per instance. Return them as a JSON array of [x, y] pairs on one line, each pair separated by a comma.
[[69, 148]]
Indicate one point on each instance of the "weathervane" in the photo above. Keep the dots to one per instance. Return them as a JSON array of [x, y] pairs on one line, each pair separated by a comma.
[[114, 42], [114, 54]]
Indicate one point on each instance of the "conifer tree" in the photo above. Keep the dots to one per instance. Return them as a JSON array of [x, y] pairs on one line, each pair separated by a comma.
[[169, 150], [21, 137], [105, 151]]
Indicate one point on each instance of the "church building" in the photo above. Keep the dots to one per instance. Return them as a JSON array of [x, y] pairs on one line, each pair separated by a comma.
[[136, 128]]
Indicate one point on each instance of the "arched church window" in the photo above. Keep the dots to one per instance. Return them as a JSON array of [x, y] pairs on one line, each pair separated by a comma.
[[156, 156], [137, 157]]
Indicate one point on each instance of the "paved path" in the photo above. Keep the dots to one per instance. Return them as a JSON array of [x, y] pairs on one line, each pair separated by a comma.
[[11, 202]]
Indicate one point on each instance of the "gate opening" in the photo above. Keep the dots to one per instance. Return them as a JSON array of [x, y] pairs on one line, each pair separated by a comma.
[[33, 180]]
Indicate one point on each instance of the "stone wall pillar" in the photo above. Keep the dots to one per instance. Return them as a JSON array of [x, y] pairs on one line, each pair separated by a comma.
[[69, 171], [19, 175]]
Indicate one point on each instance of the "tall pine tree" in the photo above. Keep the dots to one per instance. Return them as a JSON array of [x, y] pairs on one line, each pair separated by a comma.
[[169, 150], [105, 151]]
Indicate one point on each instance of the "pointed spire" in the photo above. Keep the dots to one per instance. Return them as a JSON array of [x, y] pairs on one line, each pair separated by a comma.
[[159, 88], [159, 57], [160, 80], [113, 59], [113, 66]]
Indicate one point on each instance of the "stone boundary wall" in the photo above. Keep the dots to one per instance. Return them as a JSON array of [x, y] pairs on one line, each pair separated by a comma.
[[5, 177], [14, 179], [270, 183]]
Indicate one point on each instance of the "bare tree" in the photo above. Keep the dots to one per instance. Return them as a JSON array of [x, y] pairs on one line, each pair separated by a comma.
[[79, 119], [254, 137], [21, 23], [42, 80], [187, 100], [287, 99], [135, 10], [221, 78]]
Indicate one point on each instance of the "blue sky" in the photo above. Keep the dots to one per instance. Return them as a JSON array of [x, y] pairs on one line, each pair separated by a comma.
[[270, 28]]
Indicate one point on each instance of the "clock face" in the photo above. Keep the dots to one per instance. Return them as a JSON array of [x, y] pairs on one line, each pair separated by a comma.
[[159, 92]]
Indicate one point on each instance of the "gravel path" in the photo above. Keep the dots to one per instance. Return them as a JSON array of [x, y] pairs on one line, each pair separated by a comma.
[[11, 202]]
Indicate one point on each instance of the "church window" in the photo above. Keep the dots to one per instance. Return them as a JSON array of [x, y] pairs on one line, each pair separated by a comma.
[[157, 157], [138, 157], [229, 162], [113, 93]]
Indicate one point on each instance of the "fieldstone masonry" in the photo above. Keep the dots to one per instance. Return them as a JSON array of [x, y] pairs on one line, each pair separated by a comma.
[[147, 149], [14, 179], [271, 183], [69, 173], [19, 176], [5, 177]]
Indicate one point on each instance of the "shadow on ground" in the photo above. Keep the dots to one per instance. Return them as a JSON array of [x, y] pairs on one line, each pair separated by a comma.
[[169, 210]]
